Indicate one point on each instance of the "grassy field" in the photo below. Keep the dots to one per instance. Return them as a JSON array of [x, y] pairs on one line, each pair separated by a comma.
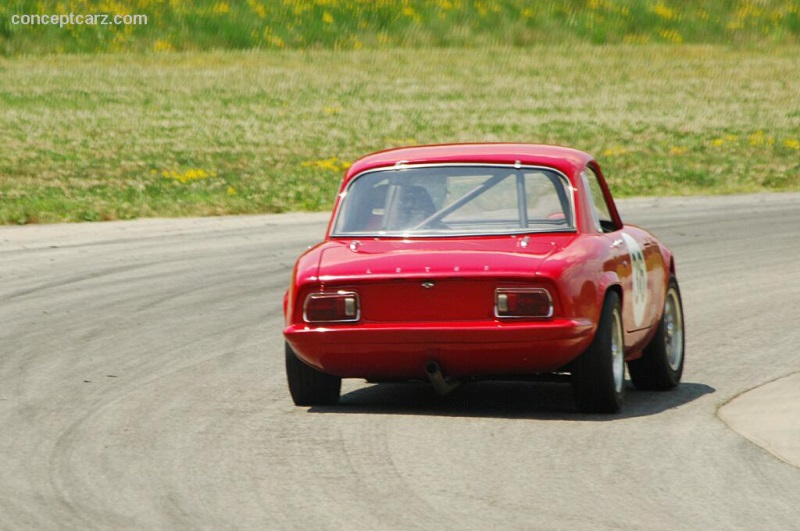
[[218, 107], [196, 25], [102, 137]]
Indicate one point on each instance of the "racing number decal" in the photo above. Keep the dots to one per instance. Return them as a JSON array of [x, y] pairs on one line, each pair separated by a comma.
[[639, 277]]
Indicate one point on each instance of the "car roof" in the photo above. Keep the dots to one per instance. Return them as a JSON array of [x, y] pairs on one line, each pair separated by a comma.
[[566, 160]]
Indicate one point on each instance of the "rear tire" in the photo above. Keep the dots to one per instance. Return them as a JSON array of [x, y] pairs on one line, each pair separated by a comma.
[[661, 366], [598, 376], [308, 386]]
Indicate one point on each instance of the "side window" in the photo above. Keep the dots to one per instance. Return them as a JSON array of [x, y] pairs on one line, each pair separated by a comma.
[[543, 199], [600, 211]]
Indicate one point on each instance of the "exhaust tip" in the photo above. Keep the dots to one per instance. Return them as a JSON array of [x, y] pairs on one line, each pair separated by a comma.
[[432, 368], [440, 384]]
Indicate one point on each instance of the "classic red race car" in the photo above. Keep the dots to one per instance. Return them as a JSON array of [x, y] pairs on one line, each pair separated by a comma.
[[463, 262]]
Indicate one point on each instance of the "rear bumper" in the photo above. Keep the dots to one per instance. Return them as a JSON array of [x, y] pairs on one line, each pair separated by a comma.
[[462, 349]]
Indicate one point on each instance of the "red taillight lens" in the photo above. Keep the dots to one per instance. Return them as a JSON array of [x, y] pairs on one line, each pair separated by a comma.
[[523, 302], [337, 307]]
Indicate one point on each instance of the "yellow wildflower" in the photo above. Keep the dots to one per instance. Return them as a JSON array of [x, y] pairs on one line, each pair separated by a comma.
[[662, 11], [792, 143], [678, 150], [161, 45], [221, 8], [615, 151], [193, 174], [331, 164], [671, 36], [257, 8]]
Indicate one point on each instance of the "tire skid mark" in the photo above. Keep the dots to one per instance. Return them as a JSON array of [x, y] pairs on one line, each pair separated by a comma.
[[73, 493], [73, 280], [109, 272], [371, 456]]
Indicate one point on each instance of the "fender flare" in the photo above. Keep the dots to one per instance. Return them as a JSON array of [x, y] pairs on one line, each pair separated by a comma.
[[609, 280]]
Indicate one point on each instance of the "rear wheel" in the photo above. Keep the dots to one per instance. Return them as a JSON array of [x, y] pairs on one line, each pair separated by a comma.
[[308, 386], [598, 376], [661, 365]]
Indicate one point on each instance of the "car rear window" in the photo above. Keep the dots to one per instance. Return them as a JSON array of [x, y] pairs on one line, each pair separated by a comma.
[[455, 201]]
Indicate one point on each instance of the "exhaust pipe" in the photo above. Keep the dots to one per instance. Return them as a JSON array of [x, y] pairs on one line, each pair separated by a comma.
[[440, 384]]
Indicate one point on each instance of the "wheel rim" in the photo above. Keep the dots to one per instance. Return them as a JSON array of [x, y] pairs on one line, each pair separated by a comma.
[[673, 330], [617, 352]]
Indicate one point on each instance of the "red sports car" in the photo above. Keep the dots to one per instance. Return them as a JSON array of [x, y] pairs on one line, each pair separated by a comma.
[[463, 262]]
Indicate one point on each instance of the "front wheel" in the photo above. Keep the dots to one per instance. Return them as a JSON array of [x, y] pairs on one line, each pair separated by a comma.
[[598, 376], [661, 365], [308, 386]]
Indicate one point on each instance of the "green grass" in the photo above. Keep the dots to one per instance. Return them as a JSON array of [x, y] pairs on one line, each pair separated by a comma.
[[224, 107], [183, 25], [95, 137]]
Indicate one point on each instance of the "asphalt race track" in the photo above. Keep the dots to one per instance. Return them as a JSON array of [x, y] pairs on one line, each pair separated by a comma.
[[142, 387]]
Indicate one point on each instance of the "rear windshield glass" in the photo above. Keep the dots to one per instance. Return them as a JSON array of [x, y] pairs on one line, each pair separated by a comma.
[[455, 201]]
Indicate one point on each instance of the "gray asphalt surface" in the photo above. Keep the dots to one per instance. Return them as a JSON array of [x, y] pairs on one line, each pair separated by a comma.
[[142, 387]]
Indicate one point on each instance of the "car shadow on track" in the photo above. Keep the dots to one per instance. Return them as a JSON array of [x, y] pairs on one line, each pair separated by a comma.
[[517, 400]]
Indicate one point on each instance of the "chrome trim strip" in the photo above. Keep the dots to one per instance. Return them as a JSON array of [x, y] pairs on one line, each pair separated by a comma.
[[569, 188], [501, 291], [406, 235], [332, 295]]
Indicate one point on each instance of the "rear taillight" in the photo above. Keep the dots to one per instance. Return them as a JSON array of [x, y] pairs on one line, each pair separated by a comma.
[[334, 307], [523, 302]]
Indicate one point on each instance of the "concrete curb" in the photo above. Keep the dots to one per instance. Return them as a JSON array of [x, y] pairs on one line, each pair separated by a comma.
[[769, 416]]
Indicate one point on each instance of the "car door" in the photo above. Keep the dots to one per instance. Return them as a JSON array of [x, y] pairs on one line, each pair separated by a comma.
[[628, 254], [639, 262]]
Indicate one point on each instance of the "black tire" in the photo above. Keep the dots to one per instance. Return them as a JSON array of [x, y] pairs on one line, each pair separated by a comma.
[[661, 366], [308, 386], [598, 375]]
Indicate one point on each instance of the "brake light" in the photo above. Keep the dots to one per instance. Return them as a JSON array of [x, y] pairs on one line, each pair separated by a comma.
[[335, 307], [523, 302]]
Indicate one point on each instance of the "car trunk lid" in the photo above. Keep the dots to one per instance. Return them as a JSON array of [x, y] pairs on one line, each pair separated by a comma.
[[432, 280]]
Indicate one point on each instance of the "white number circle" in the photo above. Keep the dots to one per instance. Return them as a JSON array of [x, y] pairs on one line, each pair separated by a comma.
[[639, 274]]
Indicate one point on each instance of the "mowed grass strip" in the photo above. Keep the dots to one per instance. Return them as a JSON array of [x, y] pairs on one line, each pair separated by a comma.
[[124, 136]]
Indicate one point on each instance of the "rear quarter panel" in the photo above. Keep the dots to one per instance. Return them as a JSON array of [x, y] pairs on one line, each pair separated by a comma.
[[645, 273], [584, 275], [305, 277]]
